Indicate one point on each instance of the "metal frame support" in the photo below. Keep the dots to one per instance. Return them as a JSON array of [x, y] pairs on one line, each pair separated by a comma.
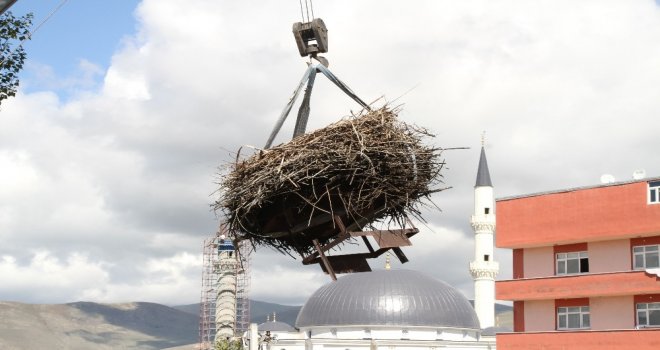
[[303, 113], [386, 239]]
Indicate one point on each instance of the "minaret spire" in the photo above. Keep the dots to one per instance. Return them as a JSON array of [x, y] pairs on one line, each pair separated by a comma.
[[483, 175], [484, 268]]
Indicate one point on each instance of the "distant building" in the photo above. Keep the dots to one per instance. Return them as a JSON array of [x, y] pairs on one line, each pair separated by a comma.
[[586, 269]]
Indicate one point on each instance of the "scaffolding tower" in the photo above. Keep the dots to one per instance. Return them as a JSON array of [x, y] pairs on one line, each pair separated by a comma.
[[225, 305]]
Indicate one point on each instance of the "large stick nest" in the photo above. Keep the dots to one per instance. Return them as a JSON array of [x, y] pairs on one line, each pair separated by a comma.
[[363, 169]]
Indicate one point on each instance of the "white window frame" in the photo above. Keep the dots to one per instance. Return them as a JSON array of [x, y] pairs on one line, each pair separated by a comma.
[[653, 192], [646, 309], [642, 252], [562, 259], [564, 312]]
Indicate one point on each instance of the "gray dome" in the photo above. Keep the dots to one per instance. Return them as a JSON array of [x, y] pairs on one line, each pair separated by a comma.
[[275, 326], [387, 298]]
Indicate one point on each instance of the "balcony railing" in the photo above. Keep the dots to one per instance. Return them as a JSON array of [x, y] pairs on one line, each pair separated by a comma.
[[490, 219]]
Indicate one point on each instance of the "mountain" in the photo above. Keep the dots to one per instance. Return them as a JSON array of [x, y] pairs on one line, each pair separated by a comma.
[[259, 310], [141, 326], [85, 325]]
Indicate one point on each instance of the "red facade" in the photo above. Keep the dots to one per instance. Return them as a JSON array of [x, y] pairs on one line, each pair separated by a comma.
[[585, 267]]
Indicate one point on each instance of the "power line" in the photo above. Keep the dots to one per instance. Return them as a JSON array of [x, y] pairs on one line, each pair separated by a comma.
[[307, 10], [57, 8], [36, 28]]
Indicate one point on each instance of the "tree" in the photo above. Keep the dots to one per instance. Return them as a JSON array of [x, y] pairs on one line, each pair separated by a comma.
[[13, 32], [229, 344]]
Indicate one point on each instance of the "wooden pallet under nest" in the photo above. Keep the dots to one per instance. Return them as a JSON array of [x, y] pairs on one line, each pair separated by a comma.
[[357, 262]]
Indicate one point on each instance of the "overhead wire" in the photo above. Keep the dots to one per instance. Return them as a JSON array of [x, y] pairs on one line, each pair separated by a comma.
[[36, 28], [302, 15], [57, 8], [309, 7], [307, 10]]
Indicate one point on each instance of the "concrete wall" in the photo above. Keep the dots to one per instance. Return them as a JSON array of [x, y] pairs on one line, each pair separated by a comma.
[[609, 256], [648, 339], [582, 215], [539, 262], [539, 315], [612, 313]]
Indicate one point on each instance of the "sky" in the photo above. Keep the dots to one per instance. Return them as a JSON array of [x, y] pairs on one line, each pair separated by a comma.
[[127, 111]]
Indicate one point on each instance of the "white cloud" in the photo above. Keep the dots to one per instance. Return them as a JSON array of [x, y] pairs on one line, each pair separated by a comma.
[[289, 285], [123, 169], [168, 280], [49, 279]]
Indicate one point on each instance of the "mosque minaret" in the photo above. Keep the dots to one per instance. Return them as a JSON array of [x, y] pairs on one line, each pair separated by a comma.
[[484, 268]]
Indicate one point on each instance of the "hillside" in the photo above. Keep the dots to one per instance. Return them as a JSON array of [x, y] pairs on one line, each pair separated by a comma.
[[86, 325], [142, 326], [259, 310]]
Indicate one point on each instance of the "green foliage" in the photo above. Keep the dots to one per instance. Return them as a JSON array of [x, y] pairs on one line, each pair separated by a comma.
[[229, 344], [13, 31]]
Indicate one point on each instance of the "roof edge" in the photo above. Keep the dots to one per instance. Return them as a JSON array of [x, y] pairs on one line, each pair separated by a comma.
[[579, 188]]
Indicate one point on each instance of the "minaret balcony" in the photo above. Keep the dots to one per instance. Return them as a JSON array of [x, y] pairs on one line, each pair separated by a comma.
[[483, 222], [484, 269]]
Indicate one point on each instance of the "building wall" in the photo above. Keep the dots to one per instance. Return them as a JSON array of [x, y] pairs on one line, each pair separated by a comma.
[[609, 256], [612, 312], [604, 256], [391, 333], [539, 315], [606, 221], [607, 313], [648, 339], [538, 262], [590, 214]]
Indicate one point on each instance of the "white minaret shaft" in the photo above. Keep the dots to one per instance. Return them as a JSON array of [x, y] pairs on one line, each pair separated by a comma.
[[225, 303], [484, 268]]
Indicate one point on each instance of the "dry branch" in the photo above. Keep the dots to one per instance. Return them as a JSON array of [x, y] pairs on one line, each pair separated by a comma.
[[363, 169]]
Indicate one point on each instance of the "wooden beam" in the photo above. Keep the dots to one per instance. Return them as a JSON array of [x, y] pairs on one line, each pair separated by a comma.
[[399, 254], [325, 261], [368, 244]]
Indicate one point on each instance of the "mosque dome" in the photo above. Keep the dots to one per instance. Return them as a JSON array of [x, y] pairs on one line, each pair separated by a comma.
[[388, 298], [275, 326]]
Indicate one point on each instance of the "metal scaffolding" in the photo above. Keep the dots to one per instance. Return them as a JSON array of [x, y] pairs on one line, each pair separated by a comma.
[[225, 304]]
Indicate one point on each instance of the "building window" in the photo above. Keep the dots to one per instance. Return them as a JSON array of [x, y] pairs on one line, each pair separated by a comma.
[[576, 317], [654, 192], [571, 263], [648, 314], [646, 257]]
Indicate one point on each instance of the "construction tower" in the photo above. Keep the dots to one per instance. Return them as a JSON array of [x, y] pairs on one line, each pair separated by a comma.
[[225, 305]]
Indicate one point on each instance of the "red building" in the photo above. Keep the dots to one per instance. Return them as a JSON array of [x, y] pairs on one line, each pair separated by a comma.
[[586, 267]]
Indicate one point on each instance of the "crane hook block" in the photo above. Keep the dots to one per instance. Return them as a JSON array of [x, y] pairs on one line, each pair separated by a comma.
[[311, 37]]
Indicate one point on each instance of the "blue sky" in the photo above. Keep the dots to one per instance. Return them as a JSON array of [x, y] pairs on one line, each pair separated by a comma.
[[81, 29]]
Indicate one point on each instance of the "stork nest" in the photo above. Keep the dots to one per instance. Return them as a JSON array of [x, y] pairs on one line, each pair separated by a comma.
[[366, 168]]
